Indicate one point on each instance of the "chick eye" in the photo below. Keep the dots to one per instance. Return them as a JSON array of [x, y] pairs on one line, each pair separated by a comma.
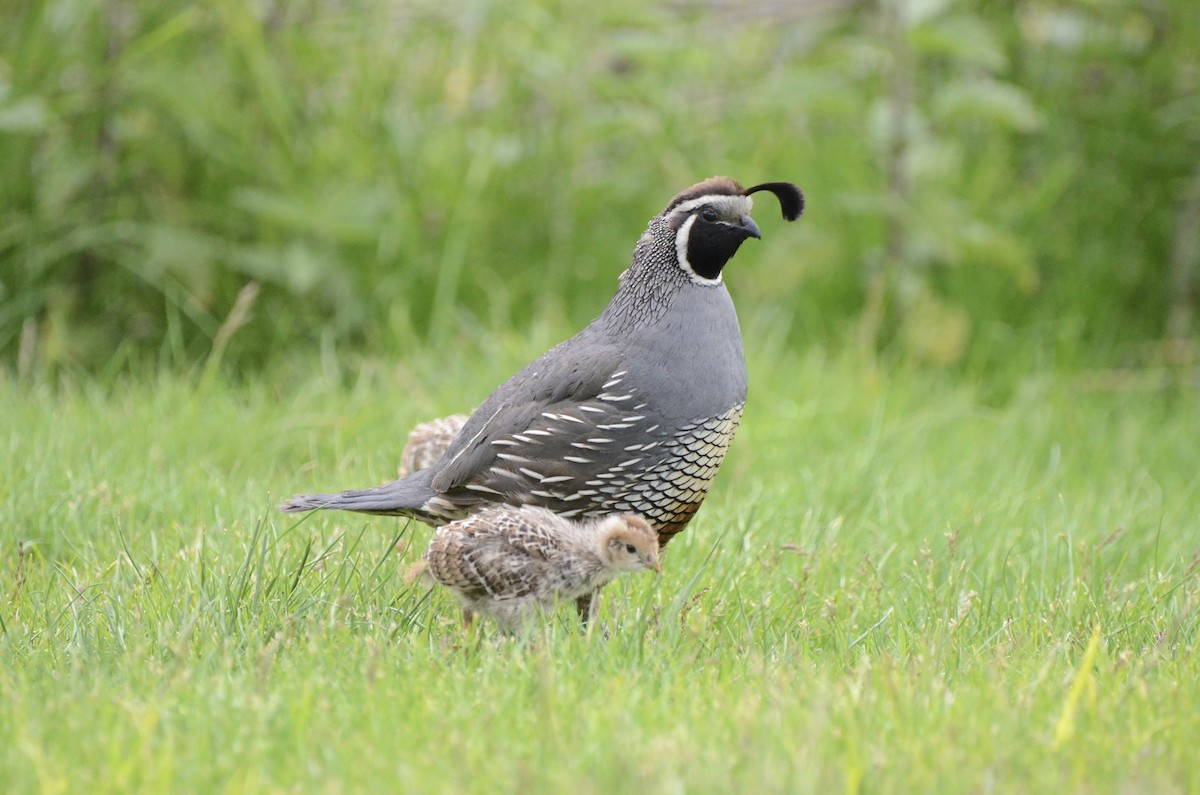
[[631, 549], [708, 214]]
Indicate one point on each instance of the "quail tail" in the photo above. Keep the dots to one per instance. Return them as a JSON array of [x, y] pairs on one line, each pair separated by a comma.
[[402, 497]]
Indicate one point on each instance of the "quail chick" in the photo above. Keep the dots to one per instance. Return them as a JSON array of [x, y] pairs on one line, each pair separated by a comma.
[[507, 564], [427, 441]]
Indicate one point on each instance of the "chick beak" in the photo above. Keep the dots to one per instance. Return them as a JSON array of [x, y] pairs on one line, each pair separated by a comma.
[[749, 228]]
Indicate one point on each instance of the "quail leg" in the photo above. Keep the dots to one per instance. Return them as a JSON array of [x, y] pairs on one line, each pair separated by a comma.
[[588, 607]]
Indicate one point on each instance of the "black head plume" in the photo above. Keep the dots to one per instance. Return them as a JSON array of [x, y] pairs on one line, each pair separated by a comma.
[[790, 197]]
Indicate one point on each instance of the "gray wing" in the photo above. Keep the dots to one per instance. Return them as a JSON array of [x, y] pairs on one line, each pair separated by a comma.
[[569, 374], [515, 424]]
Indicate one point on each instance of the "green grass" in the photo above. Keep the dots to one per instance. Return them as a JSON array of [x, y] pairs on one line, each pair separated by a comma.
[[902, 582]]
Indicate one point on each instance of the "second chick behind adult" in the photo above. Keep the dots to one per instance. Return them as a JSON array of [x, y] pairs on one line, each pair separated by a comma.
[[508, 563]]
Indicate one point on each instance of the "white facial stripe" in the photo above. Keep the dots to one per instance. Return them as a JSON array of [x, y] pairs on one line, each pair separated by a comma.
[[681, 251], [726, 206]]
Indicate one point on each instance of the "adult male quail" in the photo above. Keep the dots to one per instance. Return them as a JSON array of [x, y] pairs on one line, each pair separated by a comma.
[[506, 563], [631, 415]]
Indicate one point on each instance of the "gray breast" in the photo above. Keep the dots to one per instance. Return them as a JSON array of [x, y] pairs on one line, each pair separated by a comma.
[[690, 364], [648, 440]]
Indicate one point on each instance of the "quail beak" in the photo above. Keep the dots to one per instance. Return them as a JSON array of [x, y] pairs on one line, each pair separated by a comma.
[[749, 228]]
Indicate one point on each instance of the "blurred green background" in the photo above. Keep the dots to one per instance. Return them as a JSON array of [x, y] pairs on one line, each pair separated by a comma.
[[224, 183]]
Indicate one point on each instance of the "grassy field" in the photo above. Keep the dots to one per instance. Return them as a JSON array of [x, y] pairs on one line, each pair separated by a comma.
[[903, 581]]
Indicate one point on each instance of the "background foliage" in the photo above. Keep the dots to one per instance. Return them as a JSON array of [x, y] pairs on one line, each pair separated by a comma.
[[222, 181]]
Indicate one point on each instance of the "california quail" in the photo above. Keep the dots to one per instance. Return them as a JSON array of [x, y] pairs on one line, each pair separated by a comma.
[[631, 415], [427, 441], [506, 563]]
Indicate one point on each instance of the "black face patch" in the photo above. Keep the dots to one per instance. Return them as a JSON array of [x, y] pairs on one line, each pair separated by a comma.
[[711, 244]]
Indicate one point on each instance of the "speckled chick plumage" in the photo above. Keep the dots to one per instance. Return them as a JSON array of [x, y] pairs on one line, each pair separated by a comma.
[[508, 563], [427, 441], [633, 414]]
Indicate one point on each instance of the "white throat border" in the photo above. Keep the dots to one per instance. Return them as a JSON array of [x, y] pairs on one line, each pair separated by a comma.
[[739, 204], [681, 252]]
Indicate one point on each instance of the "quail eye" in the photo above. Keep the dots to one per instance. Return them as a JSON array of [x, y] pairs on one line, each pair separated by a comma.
[[631, 549], [709, 214]]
